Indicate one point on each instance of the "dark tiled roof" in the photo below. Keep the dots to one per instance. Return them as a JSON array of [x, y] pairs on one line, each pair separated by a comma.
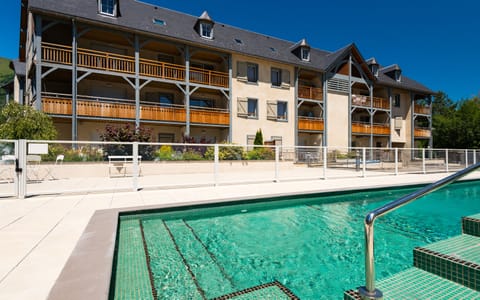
[[138, 16], [18, 67]]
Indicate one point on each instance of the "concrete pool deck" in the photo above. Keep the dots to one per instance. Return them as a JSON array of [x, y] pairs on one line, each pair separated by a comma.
[[38, 234]]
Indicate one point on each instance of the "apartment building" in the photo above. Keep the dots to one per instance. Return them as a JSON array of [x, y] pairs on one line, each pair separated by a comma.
[[190, 78]]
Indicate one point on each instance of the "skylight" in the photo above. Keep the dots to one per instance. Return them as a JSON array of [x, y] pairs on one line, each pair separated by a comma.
[[159, 22], [238, 41], [273, 49]]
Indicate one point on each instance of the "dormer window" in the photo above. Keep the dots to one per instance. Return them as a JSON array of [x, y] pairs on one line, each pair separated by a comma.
[[302, 50], [206, 30], [305, 53], [398, 75], [108, 7], [204, 26]]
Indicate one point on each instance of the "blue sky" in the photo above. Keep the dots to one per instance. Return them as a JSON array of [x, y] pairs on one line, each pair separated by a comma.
[[434, 42]]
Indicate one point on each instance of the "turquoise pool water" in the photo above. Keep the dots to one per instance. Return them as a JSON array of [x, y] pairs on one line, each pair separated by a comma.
[[312, 245]]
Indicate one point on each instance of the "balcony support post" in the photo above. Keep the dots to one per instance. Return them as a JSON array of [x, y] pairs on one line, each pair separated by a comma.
[[371, 111], [296, 72], [137, 82], [350, 101], [74, 82], [38, 62], [187, 91], [324, 112], [389, 92], [430, 140], [230, 105]]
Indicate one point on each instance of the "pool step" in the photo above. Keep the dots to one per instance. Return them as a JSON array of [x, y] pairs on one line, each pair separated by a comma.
[[273, 290], [169, 273], [471, 225], [456, 259], [415, 283], [204, 266], [443, 270]]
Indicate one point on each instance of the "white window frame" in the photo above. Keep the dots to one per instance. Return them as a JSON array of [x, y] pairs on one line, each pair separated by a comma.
[[206, 30], [114, 10], [303, 51], [279, 77], [252, 65]]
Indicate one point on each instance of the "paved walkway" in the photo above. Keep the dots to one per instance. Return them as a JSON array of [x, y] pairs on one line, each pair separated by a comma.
[[38, 234]]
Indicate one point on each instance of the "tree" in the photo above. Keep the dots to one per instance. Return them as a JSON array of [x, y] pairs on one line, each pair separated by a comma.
[[24, 122], [258, 138], [455, 125], [127, 133]]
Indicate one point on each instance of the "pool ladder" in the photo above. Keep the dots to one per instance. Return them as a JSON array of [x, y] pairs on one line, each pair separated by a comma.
[[369, 291]]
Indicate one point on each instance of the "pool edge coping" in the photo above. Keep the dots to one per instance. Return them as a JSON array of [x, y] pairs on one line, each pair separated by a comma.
[[88, 270]]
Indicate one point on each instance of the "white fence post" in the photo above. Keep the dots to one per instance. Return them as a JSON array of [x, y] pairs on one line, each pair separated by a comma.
[[446, 160], [215, 164], [466, 158], [325, 149], [21, 172], [364, 166], [396, 161], [277, 159], [135, 166], [423, 161], [474, 156]]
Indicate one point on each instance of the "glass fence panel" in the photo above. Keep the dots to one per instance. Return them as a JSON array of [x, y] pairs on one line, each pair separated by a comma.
[[7, 168]]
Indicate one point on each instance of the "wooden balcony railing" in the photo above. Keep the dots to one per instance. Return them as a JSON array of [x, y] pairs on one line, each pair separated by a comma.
[[61, 104], [422, 109], [310, 124], [366, 128], [422, 132], [360, 100], [61, 54], [308, 92], [209, 116]]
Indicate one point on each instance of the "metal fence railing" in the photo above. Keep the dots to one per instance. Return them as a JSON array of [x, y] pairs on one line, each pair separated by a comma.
[[30, 167]]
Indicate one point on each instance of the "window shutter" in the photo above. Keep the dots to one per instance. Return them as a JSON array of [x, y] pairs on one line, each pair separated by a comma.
[[241, 71], [285, 78], [242, 104], [271, 110]]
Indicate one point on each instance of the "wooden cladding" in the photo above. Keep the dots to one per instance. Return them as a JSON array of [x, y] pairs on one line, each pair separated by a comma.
[[366, 101], [422, 132], [365, 128], [308, 92], [105, 109], [310, 124], [422, 109], [111, 62]]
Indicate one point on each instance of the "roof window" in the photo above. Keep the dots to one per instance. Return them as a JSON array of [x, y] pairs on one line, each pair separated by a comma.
[[204, 26], [159, 22], [108, 7], [238, 41]]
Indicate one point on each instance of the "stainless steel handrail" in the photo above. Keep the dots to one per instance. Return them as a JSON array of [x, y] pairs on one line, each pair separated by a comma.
[[369, 291]]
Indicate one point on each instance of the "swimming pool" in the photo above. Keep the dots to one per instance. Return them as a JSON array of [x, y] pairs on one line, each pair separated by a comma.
[[310, 247]]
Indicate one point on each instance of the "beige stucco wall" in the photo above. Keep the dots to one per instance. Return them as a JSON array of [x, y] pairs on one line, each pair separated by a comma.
[[404, 111], [263, 91], [337, 118]]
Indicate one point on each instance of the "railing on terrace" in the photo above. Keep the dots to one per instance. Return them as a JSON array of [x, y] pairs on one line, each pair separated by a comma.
[[310, 123], [61, 104], [367, 128], [61, 54], [422, 109], [422, 132], [308, 92], [365, 101]]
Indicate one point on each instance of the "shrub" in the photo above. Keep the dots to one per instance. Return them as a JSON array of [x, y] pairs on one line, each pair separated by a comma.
[[261, 154], [192, 155], [165, 153], [226, 153]]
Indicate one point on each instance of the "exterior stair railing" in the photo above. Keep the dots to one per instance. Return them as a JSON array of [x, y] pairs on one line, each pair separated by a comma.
[[369, 291]]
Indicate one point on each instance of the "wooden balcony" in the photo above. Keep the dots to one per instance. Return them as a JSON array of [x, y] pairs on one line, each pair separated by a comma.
[[422, 109], [367, 128], [310, 124], [98, 60], [366, 101], [60, 104], [308, 92], [422, 132]]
